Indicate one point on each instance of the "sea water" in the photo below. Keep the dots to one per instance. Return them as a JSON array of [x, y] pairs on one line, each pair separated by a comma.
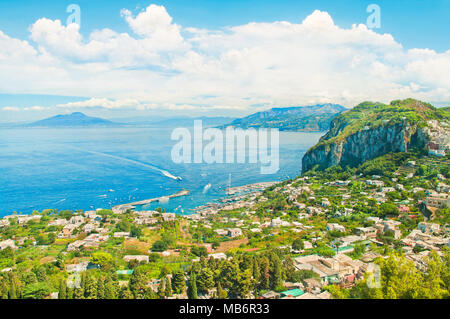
[[90, 168]]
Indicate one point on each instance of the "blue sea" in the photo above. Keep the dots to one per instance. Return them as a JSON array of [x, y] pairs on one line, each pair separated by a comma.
[[90, 168]]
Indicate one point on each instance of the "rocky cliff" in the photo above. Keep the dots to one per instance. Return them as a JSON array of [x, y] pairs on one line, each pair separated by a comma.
[[371, 130]]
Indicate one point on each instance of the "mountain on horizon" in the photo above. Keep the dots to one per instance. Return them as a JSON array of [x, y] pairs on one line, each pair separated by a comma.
[[296, 118], [71, 120]]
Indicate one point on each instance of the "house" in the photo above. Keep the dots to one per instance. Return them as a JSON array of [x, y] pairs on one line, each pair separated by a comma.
[[66, 232], [80, 267], [58, 222], [429, 227], [368, 232], [218, 256], [121, 234], [234, 232], [4, 222], [312, 284], [221, 232], [325, 202], [387, 189], [334, 226], [392, 226], [276, 222], [121, 209], [438, 202], [89, 227], [7, 243], [348, 240], [27, 218], [93, 240], [444, 188], [403, 209], [168, 217], [330, 270], [138, 258], [313, 263], [76, 220], [145, 220], [270, 295]]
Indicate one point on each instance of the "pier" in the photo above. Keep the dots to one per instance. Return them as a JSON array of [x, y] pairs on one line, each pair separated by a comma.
[[132, 205]]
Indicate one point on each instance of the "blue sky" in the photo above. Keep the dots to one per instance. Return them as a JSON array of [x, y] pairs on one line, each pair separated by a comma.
[[206, 57], [415, 23]]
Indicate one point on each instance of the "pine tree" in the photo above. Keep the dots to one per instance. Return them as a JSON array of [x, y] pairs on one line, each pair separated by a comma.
[[125, 293], [62, 289], [168, 290], [264, 278], [138, 283], [192, 288], [111, 289], [78, 293], [221, 293], [90, 287], [101, 288], [161, 289], [276, 279], [256, 271], [205, 280], [178, 282]]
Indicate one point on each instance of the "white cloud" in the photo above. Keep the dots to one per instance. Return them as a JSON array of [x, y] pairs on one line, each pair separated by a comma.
[[155, 24], [161, 65], [10, 109]]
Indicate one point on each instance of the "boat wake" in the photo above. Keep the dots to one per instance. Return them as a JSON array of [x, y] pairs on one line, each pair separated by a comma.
[[124, 159]]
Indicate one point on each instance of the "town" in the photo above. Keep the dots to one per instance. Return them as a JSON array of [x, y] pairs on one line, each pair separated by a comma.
[[321, 235]]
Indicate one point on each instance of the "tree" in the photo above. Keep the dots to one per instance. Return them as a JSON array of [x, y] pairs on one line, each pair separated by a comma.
[[161, 289], [165, 270], [288, 268], [275, 272], [62, 289], [135, 232], [168, 290], [159, 245], [245, 283], [199, 251], [265, 275], [111, 288], [205, 280], [221, 293], [388, 209], [101, 288], [298, 244], [192, 288], [90, 287], [138, 283], [178, 282], [125, 293], [256, 271], [101, 258], [38, 290]]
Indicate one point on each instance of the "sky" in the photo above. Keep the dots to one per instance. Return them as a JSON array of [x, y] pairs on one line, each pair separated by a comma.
[[206, 57]]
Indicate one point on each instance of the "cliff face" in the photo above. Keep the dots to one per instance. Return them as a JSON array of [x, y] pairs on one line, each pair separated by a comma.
[[364, 145], [371, 129]]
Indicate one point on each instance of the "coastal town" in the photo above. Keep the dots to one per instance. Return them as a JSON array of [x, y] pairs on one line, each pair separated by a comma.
[[318, 236]]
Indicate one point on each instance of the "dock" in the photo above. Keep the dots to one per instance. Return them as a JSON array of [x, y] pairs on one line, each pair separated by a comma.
[[183, 192]]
